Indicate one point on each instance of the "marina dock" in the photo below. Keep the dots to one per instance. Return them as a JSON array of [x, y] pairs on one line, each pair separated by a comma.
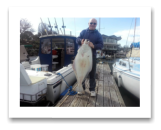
[[107, 92]]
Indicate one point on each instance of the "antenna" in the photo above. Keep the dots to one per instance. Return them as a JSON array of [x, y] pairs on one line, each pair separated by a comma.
[[50, 26], [63, 26], [61, 31], [99, 24], [44, 26], [56, 26]]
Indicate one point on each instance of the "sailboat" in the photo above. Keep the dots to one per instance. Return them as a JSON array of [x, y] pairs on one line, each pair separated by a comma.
[[127, 71]]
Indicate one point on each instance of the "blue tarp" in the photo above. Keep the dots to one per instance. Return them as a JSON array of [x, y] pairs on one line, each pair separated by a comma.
[[135, 45]]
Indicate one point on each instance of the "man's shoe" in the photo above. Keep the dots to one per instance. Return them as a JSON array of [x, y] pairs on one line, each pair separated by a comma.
[[93, 93]]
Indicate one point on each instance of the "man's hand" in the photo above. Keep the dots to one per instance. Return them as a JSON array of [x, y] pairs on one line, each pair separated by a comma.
[[82, 41], [91, 45]]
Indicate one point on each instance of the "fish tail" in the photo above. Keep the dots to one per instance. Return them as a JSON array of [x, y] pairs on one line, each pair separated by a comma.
[[80, 89]]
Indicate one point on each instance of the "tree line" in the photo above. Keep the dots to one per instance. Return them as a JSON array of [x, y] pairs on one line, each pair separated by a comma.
[[27, 36]]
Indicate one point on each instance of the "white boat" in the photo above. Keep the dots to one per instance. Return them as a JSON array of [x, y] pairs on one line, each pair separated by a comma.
[[127, 74], [35, 84], [127, 71], [45, 74]]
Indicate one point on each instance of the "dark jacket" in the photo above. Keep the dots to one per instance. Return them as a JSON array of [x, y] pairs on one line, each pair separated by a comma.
[[94, 36]]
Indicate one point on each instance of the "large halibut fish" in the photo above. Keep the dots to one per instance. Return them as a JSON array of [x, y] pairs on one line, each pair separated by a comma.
[[82, 64]]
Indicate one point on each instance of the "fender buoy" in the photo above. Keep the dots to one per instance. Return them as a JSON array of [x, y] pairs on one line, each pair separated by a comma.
[[119, 81]]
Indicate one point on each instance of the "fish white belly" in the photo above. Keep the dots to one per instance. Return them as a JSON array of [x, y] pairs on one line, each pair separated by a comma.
[[82, 64]]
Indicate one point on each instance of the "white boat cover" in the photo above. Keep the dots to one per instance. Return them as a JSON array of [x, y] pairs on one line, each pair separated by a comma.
[[31, 86]]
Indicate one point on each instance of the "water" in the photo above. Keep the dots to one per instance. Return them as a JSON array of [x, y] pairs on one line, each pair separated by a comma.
[[129, 99]]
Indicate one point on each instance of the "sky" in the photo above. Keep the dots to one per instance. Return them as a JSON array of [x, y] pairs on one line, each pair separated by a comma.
[[119, 26], [108, 26]]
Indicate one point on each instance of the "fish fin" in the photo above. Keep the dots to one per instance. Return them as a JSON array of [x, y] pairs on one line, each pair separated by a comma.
[[85, 77], [73, 66]]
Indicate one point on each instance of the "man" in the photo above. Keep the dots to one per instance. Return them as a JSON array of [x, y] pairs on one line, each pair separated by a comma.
[[96, 43]]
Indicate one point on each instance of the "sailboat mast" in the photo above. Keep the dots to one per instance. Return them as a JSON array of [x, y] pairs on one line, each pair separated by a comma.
[[133, 42], [129, 32], [134, 35], [134, 31]]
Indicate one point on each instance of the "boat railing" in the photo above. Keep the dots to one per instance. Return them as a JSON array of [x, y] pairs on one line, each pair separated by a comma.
[[38, 96]]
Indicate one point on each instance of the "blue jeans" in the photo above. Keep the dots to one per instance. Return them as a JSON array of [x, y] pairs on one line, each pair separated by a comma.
[[92, 76]]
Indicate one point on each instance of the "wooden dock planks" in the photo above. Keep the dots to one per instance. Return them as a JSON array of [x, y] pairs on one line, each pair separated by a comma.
[[121, 101], [107, 95], [66, 100], [99, 101], [85, 97], [107, 92], [81, 100], [92, 100]]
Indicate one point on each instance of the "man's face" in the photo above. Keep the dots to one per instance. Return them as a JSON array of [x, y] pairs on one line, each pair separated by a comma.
[[92, 24]]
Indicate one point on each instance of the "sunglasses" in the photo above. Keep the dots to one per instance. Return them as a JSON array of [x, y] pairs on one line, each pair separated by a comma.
[[93, 23]]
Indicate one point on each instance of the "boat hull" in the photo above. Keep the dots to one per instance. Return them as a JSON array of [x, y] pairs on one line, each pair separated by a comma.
[[130, 82], [54, 90], [55, 83]]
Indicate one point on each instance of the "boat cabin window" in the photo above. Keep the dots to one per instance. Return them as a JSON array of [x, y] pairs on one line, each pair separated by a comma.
[[131, 66], [69, 46], [46, 46], [57, 43], [123, 64], [120, 63]]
